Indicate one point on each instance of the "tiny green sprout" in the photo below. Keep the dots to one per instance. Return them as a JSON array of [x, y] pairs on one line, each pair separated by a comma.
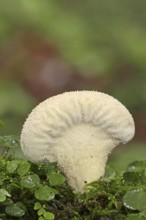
[[42, 213], [3, 195]]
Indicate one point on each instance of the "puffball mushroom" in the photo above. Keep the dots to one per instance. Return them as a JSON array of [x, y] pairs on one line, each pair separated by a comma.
[[77, 130]]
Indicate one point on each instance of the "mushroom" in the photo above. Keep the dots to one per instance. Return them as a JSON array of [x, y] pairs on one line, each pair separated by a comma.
[[77, 130]]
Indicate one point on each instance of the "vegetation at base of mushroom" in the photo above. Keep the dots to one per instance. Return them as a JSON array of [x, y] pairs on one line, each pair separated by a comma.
[[39, 191]]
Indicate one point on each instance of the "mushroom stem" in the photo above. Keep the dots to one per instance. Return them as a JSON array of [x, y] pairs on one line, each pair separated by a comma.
[[83, 154]]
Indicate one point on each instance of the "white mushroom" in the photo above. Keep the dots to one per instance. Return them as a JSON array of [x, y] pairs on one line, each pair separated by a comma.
[[77, 130]]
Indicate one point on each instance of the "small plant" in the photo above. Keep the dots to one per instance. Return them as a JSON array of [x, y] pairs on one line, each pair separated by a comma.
[[41, 211], [24, 184], [39, 191]]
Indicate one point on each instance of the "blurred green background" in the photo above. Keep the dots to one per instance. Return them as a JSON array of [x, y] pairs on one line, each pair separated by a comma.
[[48, 47]]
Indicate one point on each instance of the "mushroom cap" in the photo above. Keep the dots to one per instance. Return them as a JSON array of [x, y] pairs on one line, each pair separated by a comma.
[[63, 127]]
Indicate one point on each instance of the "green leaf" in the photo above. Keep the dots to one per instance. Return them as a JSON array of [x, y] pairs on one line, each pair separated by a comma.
[[8, 201], [44, 193], [137, 166], [5, 192], [56, 179], [41, 211], [48, 167], [135, 200], [30, 181], [11, 166], [41, 218], [135, 177], [3, 195], [23, 168], [10, 141], [49, 216], [110, 173], [37, 206], [17, 210]]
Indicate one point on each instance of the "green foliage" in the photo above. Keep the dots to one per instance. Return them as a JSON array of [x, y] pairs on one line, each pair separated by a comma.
[[3, 195], [45, 193], [16, 210], [41, 211], [39, 191], [9, 141], [10, 147], [56, 179], [135, 200]]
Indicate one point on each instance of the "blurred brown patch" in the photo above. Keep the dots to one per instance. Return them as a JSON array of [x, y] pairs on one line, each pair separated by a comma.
[[38, 66], [140, 124]]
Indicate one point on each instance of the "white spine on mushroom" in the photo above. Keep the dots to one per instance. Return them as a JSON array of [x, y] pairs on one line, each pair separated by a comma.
[[77, 130]]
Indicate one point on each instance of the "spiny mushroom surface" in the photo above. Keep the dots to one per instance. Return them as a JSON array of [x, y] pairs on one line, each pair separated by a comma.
[[77, 130]]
